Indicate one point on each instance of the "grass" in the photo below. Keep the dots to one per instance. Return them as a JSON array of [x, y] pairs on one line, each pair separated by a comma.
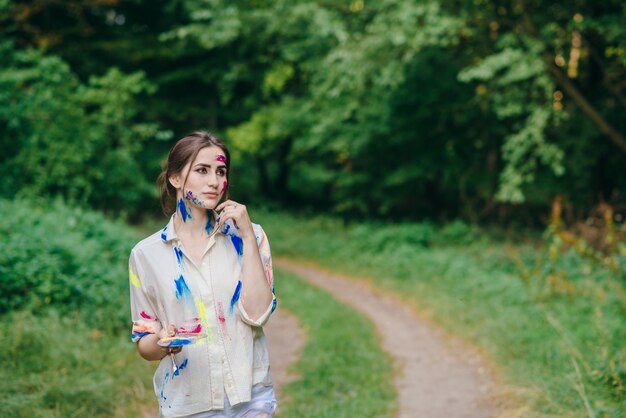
[[58, 366], [344, 372], [560, 347]]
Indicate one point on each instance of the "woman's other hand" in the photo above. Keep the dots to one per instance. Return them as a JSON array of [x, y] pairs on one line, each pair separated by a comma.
[[170, 332]]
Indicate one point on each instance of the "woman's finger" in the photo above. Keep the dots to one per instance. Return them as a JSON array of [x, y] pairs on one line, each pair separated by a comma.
[[224, 204]]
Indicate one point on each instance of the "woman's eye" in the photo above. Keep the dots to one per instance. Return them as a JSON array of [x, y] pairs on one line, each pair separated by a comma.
[[221, 172], [201, 170]]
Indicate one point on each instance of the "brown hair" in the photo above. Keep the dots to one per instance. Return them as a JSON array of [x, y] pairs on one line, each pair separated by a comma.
[[183, 152]]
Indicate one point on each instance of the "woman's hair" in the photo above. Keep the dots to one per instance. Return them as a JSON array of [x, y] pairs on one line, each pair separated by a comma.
[[183, 152]]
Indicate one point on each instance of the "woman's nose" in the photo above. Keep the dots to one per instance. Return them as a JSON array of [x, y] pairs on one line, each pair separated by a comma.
[[213, 181]]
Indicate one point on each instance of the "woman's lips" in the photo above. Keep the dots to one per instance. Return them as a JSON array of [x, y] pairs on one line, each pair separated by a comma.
[[210, 194]]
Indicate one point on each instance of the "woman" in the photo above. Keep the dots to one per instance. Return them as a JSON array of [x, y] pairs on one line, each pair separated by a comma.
[[201, 290]]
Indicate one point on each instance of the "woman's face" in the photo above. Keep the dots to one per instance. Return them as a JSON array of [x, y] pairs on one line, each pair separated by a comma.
[[206, 182]]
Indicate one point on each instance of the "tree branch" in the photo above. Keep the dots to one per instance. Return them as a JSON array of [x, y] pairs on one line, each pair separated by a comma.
[[605, 127], [570, 88]]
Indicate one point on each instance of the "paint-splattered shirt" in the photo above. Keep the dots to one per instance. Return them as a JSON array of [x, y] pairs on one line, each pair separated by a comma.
[[167, 287]]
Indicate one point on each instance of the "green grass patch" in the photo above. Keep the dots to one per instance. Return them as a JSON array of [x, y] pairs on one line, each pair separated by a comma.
[[560, 345], [344, 372], [59, 366]]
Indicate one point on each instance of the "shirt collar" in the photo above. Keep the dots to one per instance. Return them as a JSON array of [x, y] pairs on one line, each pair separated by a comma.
[[168, 233]]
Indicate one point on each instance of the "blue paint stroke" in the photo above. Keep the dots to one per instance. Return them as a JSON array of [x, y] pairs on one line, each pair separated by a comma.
[[179, 255], [167, 375], [178, 342], [209, 223], [182, 290], [235, 297], [274, 300], [164, 234], [182, 208], [135, 336], [238, 243], [180, 367]]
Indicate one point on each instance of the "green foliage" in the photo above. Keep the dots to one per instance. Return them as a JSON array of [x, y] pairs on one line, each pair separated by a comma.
[[344, 372], [66, 138], [64, 258], [539, 74], [403, 110]]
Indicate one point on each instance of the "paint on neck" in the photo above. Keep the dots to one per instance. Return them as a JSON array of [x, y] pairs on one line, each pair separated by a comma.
[[183, 210], [209, 222]]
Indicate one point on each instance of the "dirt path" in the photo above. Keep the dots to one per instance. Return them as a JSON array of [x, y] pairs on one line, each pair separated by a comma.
[[285, 340], [436, 375]]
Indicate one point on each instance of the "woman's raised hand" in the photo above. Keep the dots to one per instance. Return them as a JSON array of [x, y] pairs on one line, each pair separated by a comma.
[[239, 214]]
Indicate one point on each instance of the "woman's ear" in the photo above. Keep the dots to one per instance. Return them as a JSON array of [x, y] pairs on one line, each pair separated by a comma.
[[174, 180]]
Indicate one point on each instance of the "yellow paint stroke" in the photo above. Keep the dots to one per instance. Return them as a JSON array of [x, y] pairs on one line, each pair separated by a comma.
[[203, 319], [133, 278]]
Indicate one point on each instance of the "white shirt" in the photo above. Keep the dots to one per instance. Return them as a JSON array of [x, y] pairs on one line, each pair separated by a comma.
[[167, 287]]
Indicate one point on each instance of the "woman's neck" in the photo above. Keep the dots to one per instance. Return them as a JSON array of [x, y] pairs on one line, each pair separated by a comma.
[[192, 221]]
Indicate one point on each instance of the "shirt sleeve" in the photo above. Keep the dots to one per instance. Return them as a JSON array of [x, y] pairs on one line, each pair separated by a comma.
[[266, 260], [143, 313]]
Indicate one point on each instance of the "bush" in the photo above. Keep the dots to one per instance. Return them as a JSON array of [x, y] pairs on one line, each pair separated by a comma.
[[380, 237], [63, 257], [79, 140]]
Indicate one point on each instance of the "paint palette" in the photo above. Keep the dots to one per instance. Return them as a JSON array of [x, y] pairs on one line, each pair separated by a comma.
[[180, 340]]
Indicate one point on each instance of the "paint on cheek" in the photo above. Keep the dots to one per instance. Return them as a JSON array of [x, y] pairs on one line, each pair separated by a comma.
[[193, 199], [224, 186], [185, 213], [221, 158], [235, 297]]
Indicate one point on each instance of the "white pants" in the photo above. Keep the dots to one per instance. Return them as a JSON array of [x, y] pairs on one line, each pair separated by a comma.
[[262, 405]]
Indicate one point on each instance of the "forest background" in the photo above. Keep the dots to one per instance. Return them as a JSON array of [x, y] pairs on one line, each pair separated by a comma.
[[507, 117]]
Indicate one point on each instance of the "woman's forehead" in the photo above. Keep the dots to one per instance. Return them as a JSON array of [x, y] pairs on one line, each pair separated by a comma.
[[209, 155]]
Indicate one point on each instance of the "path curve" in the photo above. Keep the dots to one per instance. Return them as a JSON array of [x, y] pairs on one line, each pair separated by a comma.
[[436, 375], [285, 340]]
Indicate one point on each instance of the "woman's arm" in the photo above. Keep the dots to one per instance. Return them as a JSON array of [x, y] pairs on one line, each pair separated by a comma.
[[256, 294], [150, 350]]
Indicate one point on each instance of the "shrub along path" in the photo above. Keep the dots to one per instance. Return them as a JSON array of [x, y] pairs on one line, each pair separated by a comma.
[[436, 375]]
